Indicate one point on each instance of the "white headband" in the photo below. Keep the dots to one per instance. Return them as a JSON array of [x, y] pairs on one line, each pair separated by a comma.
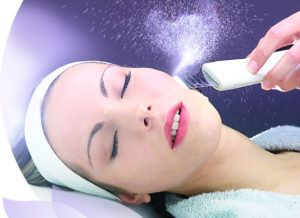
[[46, 161]]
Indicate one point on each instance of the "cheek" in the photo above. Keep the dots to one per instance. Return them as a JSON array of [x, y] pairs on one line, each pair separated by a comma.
[[204, 130], [146, 168], [154, 84], [136, 168]]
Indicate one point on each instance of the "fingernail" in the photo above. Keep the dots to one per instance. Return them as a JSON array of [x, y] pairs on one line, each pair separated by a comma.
[[252, 66], [266, 85]]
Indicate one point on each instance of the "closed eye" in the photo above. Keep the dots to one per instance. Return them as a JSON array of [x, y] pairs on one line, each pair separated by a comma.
[[115, 146], [115, 143], [127, 79]]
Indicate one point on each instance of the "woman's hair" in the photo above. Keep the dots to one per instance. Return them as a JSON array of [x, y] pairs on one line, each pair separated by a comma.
[[26, 165]]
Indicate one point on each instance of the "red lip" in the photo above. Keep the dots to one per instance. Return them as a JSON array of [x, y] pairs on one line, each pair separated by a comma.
[[183, 124]]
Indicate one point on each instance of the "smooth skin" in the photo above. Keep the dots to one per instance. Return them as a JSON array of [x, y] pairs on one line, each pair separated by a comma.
[[212, 156], [286, 73]]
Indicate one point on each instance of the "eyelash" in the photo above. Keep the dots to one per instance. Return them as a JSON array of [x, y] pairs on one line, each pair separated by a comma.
[[127, 79], [115, 146]]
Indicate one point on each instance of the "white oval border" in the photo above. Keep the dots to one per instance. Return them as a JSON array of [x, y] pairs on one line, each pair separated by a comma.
[[12, 183]]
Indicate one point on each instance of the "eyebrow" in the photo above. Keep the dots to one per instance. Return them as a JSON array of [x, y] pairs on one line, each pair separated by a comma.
[[98, 126]]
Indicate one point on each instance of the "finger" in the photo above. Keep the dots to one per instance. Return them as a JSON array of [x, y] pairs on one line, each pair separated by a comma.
[[249, 55], [255, 54], [286, 64], [291, 82], [283, 33]]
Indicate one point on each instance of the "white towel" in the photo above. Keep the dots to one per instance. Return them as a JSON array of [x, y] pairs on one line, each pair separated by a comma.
[[245, 202], [281, 138]]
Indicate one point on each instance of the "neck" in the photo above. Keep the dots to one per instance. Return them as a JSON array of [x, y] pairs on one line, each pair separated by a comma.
[[237, 163]]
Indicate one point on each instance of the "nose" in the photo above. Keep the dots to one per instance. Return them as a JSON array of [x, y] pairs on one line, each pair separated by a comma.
[[144, 115], [130, 115]]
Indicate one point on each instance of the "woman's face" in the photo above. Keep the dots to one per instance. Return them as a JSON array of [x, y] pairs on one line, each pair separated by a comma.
[[83, 122]]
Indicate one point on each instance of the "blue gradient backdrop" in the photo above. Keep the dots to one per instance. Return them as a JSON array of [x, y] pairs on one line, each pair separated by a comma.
[[50, 33]]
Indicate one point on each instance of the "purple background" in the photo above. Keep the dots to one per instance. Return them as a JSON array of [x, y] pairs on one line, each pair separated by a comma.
[[49, 33]]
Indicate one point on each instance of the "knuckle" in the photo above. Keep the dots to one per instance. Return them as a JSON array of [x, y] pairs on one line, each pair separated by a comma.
[[261, 42], [273, 77], [261, 53], [293, 56], [283, 86], [273, 33]]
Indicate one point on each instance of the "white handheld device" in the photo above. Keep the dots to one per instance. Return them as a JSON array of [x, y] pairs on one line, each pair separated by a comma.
[[232, 74]]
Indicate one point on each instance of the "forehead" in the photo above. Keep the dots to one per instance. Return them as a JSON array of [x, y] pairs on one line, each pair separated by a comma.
[[69, 107], [81, 73], [73, 83]]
